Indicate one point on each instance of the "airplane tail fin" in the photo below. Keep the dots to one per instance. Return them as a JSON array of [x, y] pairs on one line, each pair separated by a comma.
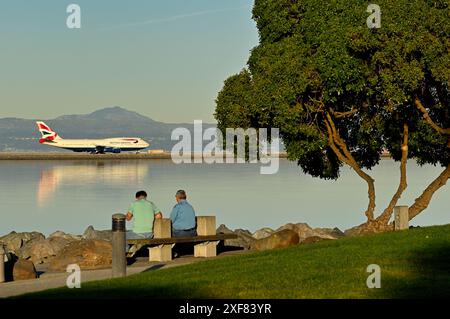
[[48, 135]]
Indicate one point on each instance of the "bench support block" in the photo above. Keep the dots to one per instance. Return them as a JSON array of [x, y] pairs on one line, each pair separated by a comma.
[[162, 228], [206, 225], [160, 253], [206, 249]]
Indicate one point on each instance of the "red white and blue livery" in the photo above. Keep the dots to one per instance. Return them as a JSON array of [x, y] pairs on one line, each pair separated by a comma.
[[108, 145]]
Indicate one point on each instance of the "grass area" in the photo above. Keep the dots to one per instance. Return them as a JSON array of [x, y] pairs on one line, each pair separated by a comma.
[[414, 263]]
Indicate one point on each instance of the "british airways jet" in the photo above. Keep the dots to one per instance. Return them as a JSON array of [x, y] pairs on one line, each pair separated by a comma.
[[111, 145]]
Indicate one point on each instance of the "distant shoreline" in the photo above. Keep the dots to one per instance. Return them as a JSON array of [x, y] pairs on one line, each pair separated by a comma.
[[22, 156], [78, 156]]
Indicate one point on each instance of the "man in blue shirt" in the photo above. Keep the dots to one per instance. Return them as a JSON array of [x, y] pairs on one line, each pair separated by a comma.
[[183, 217]]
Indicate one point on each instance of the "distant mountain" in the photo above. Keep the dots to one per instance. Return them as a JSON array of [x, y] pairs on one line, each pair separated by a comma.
[[21, 134]]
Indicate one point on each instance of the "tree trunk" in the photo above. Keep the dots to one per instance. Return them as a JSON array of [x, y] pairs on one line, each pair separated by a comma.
[[423, 200], [369, 227], [387, 213]]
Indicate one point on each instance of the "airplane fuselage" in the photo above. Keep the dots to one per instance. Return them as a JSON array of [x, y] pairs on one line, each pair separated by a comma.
[[109, 145]]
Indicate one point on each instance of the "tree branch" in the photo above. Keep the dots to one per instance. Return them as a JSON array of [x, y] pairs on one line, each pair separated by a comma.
[[344, 114], [422, 202], [426, 116], [333, 146], [336, 142]]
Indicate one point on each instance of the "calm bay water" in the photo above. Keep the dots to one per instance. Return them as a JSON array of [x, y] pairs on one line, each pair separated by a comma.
[[70, 195]]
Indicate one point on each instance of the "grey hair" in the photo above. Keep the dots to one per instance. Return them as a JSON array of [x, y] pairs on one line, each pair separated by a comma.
[[181, 194]]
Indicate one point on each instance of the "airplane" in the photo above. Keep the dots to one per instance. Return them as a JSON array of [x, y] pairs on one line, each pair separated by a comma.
[[109, 145]]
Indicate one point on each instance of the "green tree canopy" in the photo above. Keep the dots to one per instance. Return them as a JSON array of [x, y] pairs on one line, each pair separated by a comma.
[[341, 93]]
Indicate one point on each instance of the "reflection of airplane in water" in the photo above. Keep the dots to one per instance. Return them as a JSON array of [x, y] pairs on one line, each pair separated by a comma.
[[83, 174], [111, 145]]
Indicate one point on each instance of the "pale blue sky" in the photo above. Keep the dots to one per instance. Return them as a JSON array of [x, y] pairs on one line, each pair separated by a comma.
[[164, 59]]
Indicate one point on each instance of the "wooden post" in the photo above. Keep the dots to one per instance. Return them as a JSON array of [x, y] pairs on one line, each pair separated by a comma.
[[2, 263], [119, 242], [401, 217]]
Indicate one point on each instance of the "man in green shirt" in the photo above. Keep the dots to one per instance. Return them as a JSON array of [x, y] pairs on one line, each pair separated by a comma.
[[143, 212]]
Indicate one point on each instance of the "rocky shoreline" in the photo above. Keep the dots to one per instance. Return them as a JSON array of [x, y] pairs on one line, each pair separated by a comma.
[[93, 249]]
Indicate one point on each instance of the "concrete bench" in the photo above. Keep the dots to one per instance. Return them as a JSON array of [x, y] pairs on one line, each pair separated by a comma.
[[205, 243]]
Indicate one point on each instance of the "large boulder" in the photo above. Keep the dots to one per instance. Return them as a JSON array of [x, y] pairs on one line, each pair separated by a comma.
[[244, 239], [91, 233], [263, 233], [61, 234], [23, 270], [280, 239], [88, 254], [14, 241], [39, 251], [304, 231], [222, 229]]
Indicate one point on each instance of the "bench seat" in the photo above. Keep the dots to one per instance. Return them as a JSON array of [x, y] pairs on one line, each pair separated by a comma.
[[160, 246], [160, 249], [179, 240]]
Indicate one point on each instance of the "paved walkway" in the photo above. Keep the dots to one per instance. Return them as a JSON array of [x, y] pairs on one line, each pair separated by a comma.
[[56, 280]]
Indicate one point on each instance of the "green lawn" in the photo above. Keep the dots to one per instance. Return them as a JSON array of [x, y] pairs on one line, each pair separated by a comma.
[[414, 263]]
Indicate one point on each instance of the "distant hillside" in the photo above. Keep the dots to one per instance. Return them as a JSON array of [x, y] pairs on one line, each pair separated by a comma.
[[21, 134]]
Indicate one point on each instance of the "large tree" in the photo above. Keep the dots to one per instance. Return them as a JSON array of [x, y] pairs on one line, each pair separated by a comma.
[[341, 93]]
